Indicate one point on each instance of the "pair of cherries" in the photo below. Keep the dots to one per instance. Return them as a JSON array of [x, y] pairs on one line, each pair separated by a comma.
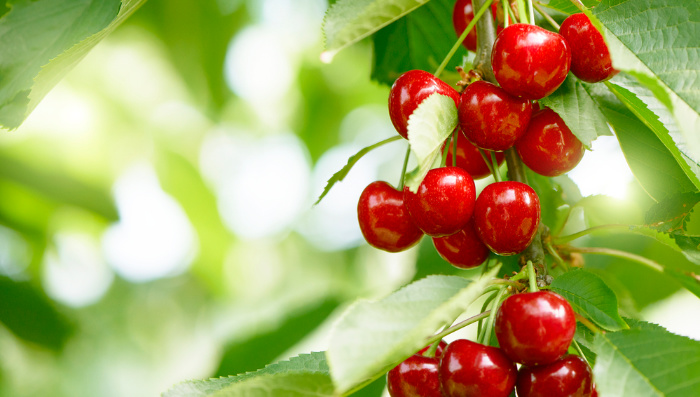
[[533, 329]]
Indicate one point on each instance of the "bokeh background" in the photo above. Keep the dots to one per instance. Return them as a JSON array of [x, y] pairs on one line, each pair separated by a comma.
[[157, 220]]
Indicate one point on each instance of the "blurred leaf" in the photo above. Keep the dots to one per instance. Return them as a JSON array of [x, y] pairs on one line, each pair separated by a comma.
[[349, 21], [251, 354], [418, 41], [673, 213], [551, 198], [574, 104], [340, 175], [374, 336], [374, 389], [591, 297], [428, 127], [646, 360], [604, 210], [567, 7], [304, 375], [689, 280], [30, 315]]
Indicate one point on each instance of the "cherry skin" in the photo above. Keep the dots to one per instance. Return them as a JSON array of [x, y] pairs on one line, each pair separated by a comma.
[[409, 90], [548, 146], [506, 216], [384, 219], [530, 62], [535, 328], [470, 160], [491, 118], [462, 14], [590, 57], [469, 369], [569, 376], [417, 376], [444, 202], [462, 249]]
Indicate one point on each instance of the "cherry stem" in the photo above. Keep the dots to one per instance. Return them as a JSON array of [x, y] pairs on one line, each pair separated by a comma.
[[532, 11], [532, 276], [485, 338], [587, 323], [458, 326], [618, 254], [557, 258], [571, 237], [455, 136], [461, 38], [506, 9], [486, 35], [512, 13], [546, 16], [580, 352], [579, 5], [403, 170], [445, 151], [432, 350], [506, 282], [522, 12], [488, 162], [494, 163]]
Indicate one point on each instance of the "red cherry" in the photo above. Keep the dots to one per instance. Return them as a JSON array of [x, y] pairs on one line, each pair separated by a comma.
[[570, 376], [590, 57], [409, 90], [535, 328], [595, 392], [548, 146], [530, 62], [506, 217], [470, 160], [462, 14], [469, 369], [417, 376], [491, 118], [444, 202], [462, 249], [384, 219]]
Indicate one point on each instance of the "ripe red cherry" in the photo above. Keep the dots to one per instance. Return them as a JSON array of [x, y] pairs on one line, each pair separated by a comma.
[[409, 90], [469, 369], [470, 160], [384, 219], [590, 57], [535, 328], [530, 62], [548, 146], [570, 376], [417, 376], [506, 217], [462, 249], [444, 202], [491, 118], [462, 14]]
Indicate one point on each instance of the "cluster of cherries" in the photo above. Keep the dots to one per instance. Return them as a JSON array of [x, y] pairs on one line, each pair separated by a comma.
[[533, 329], [529, 63]]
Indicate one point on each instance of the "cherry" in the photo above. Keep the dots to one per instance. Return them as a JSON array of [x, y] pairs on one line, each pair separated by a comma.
[[491, 118], [444, 202], [548, 146], [470, 160], [462, 14], [409, 90], [462, 249], [535, 328], [384, 219], [570, 376], [590, 57], [417, 376], [469, 369], [506, 216], [529, 61]]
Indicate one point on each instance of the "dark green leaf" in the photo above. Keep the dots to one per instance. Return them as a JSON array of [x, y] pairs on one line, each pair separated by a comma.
[[30, 315], [591, 297], [672, 214], [340, 175], [419, 41]]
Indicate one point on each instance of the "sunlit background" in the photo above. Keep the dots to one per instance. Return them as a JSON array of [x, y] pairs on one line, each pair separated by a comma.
[[214, 127]]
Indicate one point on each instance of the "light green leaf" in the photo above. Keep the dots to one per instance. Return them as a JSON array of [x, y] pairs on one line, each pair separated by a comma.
[[567, 7], [349, 21], [304, 375], [428, 127], [646, 360], [672, 214], [374, 336], [574, 104], [591, 297]]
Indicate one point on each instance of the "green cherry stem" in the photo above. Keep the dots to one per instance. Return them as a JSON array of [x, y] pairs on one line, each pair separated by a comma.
[[492, 316], [432, 350], [458, 326], [506, 12], [445, 151], [488, 162], [454, 147], [618, 254], [580, 351], [403, 170], [532, 277], [461, 38], [532, 11], [546, 16], [587, 323], [495, 168], [522, 11], [557, 258], [574, 236], [579, 5]]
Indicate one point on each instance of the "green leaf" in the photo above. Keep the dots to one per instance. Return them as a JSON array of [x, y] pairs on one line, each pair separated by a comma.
[[304, 375], [574, 104], [419, 41], [349, 21], [604, 210], [689, 280], [567, 7], [646, 360], [650, 40], [428, 127], [340, 175], [591, 297], [374, 336], [672, 214]]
